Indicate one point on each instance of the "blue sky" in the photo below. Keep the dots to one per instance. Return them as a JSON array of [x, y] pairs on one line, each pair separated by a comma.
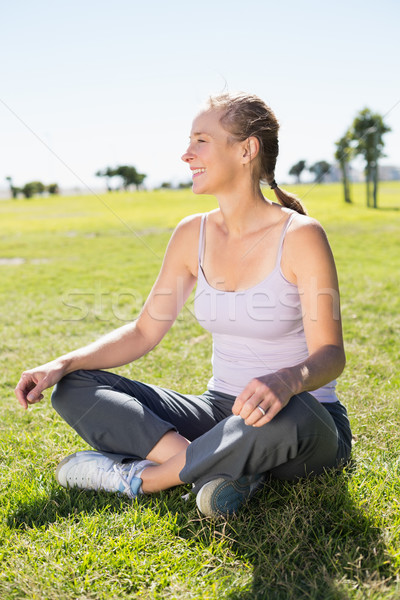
[[104, 83]]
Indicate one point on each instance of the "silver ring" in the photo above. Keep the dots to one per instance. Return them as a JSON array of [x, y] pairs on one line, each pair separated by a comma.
[[262, 410]]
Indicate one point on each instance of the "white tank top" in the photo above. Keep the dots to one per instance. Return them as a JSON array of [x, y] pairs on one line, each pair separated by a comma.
[[256, 331]]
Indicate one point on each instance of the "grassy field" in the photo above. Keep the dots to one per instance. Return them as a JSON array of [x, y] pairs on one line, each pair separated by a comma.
[[74, 268]]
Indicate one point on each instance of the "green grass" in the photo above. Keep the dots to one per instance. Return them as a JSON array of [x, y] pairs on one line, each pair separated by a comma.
[[86, 265]]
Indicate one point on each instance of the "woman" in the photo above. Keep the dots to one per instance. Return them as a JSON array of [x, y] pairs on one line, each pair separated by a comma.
[[267, 290]]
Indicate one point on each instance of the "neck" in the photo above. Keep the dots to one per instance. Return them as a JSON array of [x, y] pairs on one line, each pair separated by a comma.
[[241, 211]]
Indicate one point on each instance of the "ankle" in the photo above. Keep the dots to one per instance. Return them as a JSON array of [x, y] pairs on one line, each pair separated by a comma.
[[148, 480]]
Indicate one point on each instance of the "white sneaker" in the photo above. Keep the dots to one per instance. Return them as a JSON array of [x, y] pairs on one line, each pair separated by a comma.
[[91, 470]]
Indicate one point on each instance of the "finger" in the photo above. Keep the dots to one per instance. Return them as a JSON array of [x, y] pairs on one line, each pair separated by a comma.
[[271, 412], [250, 394], [258, 413], [249, 410], [242, 399], [34, 400], [36, 394], [21, 397], [24, 386]]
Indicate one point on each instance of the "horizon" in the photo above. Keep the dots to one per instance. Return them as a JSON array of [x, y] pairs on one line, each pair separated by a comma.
[[100, 90]]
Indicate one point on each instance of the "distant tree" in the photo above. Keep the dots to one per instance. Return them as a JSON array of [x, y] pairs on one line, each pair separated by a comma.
[[185, 185], [297, 169], [29, 190], [140, 177], [53, 188], [128, 174], [320, 169], [166, 185], [10, 182], [343, 155], [367, 133], [108, 173], [14, 191], [32, 188]]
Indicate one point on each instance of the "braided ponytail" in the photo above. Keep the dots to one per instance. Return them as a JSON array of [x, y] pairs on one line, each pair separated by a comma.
[[244, 116], [290, 200]]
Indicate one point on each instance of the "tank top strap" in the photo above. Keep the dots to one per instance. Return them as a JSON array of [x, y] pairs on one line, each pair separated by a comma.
[[283, 234], [202, 238]]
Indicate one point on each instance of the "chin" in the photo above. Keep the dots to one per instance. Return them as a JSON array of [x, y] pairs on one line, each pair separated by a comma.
[[198, 190]]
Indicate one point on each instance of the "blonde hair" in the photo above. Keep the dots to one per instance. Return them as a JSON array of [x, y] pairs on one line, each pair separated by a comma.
[[244, 116]]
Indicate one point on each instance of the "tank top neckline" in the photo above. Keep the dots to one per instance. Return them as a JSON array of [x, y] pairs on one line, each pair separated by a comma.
[[277, 266]]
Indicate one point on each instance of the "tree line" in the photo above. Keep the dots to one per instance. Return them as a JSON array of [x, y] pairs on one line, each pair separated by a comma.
[[127, 176], [320, 169], [363, 138], [32, 188]]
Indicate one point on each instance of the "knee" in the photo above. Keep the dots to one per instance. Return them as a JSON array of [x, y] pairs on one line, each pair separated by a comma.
[[57, 396], [61, 393]]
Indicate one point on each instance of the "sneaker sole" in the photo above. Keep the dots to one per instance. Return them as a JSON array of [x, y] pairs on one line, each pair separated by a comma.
[[221, 497], [59, 467]]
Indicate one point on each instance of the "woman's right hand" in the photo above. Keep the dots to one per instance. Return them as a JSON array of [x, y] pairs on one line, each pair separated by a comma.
[[34, 381]]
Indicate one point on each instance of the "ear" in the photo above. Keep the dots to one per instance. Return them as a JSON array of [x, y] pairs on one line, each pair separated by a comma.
[[250, 149]]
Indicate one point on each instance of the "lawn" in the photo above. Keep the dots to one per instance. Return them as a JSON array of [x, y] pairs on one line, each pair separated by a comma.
[[73, 268]]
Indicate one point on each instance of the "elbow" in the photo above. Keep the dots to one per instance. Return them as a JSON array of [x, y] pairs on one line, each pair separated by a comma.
[[344, 361], [331, 359], [340, 360], [147, 337]]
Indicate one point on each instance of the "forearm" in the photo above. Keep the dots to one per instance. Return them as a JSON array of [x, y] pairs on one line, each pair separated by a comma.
[[321, 367], [117, 348]]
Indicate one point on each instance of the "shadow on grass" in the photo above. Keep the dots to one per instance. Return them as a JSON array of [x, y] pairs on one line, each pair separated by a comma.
[[307, 540], [62, 504], [304, 540]]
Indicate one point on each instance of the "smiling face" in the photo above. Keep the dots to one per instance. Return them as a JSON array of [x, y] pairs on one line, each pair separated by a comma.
[[214, 158]]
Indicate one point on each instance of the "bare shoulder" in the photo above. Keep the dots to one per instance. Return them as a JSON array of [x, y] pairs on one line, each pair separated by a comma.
[[187, 231], [306, 250], [184, 241], [189, 224], [305, 233]]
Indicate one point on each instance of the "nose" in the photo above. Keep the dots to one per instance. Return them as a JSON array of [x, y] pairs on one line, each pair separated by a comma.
[[187, 156]]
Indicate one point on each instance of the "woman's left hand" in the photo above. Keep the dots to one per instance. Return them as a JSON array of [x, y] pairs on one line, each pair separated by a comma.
[[262, 399]]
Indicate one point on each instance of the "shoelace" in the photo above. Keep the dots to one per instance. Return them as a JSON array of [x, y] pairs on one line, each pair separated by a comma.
[[120, 471]]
